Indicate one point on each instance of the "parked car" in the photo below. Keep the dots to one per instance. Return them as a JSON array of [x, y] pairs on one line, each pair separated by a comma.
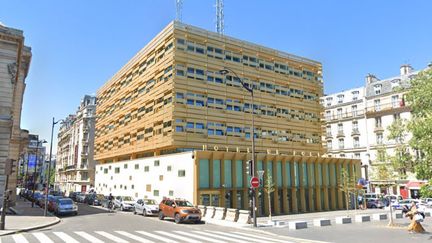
[[87, 197], [35, 197], [401, 203], [179, 209], [65, 206], [375, 203], [372, 195], [146, 207], [80, 197], [73, 195], [427, 201], [95, 199], [124, 203], [52, 200], [104, 202]]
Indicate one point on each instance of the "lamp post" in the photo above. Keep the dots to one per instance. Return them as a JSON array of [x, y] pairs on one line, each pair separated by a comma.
[[225, 71], [35, 171], [49, 165]]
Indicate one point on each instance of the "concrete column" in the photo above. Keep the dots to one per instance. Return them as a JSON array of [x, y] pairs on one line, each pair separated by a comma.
[[340, 196], [276, 192], [318, 187]]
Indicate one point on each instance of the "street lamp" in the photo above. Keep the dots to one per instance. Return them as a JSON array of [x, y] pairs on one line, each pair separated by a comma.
[[225, 71], [49, 165], [35, 171]]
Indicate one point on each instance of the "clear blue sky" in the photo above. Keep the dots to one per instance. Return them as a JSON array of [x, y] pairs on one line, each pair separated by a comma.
[[78, 45]]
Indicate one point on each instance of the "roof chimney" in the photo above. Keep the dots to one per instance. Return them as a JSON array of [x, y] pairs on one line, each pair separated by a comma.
[[370, 78], [405, 69]]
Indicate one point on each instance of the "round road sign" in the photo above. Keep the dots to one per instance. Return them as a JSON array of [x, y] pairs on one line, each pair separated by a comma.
[[254, 182]]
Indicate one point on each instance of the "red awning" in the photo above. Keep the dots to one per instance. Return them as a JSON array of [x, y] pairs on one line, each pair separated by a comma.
[[414, 184]]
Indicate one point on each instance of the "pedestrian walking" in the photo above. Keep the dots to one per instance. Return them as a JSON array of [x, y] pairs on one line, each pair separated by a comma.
[[360, 201], [416, 218]]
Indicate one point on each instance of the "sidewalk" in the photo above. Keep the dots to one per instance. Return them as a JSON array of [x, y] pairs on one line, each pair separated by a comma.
[[27, 218], [309, 217]]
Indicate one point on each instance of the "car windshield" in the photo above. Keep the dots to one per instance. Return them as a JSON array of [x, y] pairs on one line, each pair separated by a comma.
[[100, 196], [150, 202], [127, 199], [183, 204], [65, 202]]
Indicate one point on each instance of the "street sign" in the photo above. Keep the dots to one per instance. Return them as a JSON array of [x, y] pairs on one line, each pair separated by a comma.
[[254, 182]]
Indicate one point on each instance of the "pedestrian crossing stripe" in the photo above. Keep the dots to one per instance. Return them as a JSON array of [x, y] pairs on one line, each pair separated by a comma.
[[175, 236]]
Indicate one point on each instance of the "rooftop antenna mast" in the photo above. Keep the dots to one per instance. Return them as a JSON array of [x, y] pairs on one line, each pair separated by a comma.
[[219, 17], [179, 7]]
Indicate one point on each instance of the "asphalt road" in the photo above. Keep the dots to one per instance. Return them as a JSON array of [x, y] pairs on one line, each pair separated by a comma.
[[95, 224]]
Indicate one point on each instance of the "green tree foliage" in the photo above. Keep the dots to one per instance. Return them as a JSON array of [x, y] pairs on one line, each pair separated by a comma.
[[419, 98], [401, 160], [382, 171], [348, 185], [426, 190], [269, 188]]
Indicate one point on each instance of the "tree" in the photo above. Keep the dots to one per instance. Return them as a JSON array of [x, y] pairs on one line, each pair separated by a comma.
[[401, 160], [426, 190], [348, 185], [382, 171], [419, 98], [269, 187]]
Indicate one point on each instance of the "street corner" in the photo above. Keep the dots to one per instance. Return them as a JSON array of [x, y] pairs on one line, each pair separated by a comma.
[[21, 224]]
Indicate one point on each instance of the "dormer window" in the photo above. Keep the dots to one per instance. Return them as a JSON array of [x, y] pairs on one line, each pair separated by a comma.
[[329, 101], [355, 95], [377, 89], [395, 83], [340, 98]]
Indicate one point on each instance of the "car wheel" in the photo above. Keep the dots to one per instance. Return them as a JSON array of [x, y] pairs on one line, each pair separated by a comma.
[[76, 213], [177, 218], [144, 213], [161, 215], [373, 206], [135, 212], [121, 208]]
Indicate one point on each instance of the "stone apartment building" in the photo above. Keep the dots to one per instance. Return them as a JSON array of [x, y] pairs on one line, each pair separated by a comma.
[[15, 60]]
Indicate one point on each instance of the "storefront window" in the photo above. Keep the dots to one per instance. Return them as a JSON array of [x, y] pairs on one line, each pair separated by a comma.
[[216, 173], [279, 174], [239, 173], [288, 173], [204, 177], [227, 172]]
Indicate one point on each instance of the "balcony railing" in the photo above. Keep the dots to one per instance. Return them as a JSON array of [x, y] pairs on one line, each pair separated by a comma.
[[344, 115], [355, 131], [340, 134], [70, 167], [397, 106]]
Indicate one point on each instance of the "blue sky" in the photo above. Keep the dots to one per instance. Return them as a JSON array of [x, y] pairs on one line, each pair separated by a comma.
[[78, 45]]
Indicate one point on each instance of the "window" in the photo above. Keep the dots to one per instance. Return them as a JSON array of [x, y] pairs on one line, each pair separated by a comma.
[[136, 166], [328, 130], [357, 156], [117, 170], [190, 125], [125, 166], [190, 102], [219, 132], [146, 168], [181, 173], [356, 142], [340, 127], [329, 101], [396, 116], [169, 168], [210, 132], [340, 98], [355, 125], [156, 163], [105, 171], [156, 193], [378, 122], [379, 138], [329, 145], [171, 193], [341, 143], [339, 113], [395, 101], [328, 115], [355, 95], [354, 110], [377, 105], [199, 103], [199, 125], [377, 89]]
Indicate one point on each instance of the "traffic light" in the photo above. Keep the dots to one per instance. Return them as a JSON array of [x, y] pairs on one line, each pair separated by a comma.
[[249, 167], [251, 192]]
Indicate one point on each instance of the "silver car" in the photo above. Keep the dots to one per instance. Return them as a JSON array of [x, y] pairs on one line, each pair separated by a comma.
[[146, 207], [124, 203], [65, 206]]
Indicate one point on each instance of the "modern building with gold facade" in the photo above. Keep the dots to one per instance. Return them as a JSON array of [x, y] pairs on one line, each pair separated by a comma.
[[171, 98]]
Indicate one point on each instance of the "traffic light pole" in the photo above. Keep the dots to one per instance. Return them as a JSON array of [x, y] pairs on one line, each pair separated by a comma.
[[253, 164]]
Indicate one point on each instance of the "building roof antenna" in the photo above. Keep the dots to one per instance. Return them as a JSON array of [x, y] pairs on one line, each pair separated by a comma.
[[179, 7], [219, 17]]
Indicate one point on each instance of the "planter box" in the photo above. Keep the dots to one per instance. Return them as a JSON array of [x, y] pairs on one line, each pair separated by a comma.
[[294, 225], [379, 216], [343, 220], [321, 222], [362, 218]]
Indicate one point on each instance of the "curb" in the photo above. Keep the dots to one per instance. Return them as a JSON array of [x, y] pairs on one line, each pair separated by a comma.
[[58, 220]]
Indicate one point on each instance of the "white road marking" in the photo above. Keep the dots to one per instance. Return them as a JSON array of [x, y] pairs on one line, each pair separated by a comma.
[[111, 237], [134, 237], [88, 237], [42, 237], [261, 237], [249, 238], [19, 238], [206, 239], [221, 237], [65, 237], [161, 238], [176, 236]]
